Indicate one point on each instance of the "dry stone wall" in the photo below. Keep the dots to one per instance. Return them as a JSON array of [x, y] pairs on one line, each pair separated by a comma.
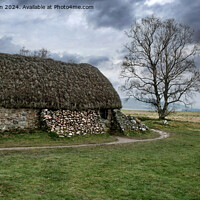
[[13, 119], [69, 123], [127, 123]]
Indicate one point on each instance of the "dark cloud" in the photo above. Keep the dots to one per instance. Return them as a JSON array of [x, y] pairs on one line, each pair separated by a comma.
[[96, 60], [112, 13], [189, 12], [185, 11], [7, 45], [119, 14], [197, 62], [106, 13]]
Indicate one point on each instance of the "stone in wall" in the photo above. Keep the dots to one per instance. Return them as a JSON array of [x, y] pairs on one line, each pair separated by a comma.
[[13, 119], [69, 123]]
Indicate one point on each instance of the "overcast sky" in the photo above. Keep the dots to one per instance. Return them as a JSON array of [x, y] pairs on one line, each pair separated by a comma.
[[94, 35]]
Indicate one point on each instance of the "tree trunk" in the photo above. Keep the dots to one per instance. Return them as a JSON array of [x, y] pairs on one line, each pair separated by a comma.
[[162, 114]]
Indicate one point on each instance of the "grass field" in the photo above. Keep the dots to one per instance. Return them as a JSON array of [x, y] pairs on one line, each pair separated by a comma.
[[164, 169], [178, 116]]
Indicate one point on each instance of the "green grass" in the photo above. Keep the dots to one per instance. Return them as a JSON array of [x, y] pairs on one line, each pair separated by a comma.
[[42, 138], [139, 135], [173, 126], [167, 169]]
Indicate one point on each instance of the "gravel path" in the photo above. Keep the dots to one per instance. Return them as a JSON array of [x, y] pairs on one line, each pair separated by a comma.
[[120, 140]]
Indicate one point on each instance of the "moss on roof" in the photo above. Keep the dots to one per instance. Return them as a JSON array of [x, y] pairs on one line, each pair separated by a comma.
[[32, 82]]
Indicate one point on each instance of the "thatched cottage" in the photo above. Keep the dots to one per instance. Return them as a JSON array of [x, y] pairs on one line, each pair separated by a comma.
[[68, 98]]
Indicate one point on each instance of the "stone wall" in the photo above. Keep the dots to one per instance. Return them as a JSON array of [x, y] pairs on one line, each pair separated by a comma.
[[125, 124], [69, 123], [12, 119]]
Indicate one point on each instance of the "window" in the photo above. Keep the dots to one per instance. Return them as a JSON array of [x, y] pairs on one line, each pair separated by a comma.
[[104, 113]]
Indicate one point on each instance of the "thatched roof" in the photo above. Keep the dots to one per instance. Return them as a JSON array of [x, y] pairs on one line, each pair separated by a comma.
[[31, 82]]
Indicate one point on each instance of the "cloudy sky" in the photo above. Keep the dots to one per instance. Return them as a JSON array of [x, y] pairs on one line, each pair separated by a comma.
[[93, 35]]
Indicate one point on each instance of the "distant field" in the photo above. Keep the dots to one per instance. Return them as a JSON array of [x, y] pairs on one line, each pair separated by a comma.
[[178, 116]]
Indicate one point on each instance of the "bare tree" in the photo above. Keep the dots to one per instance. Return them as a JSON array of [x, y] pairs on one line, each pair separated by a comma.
[[159, 68], [42, 53], [25, 52]]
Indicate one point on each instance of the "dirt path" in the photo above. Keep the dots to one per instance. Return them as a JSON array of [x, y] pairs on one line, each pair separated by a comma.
[[120, 140]]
